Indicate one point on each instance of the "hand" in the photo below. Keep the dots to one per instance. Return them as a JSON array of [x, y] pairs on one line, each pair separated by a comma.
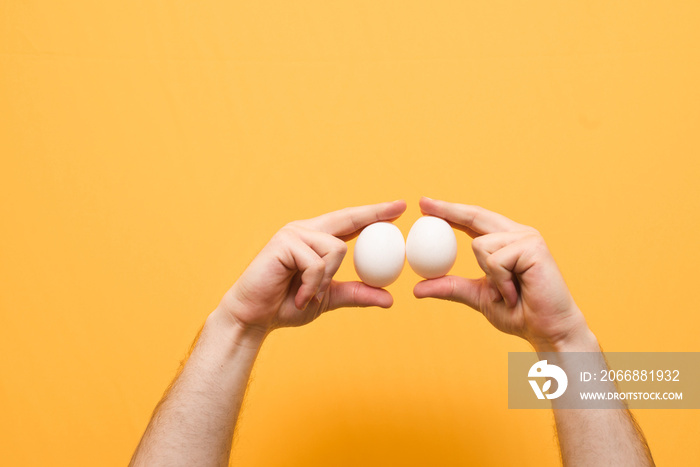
[[523, 293], [290, 282]]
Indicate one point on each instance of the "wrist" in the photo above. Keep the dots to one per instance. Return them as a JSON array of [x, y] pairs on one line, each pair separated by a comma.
[[235, 331], [578, 339]]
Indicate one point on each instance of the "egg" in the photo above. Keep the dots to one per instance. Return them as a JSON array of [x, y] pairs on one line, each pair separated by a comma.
[[431, 247], [379, 255]]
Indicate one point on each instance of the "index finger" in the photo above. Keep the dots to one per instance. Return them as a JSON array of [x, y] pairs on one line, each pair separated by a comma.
[[349, 221], [474, 220]]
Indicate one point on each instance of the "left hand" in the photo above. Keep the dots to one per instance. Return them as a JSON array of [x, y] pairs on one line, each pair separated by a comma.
[[290, 282]]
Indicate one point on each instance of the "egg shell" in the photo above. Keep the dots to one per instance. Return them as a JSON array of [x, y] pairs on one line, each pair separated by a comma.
[[431, 247], [380, 252]]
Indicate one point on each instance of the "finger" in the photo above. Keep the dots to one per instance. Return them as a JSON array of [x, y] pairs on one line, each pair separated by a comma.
[[330, 249], [474, 219], [485, 245], [470, 292], [349, 221], [353, 294], [466, 230], [310, 265], [503, 264]]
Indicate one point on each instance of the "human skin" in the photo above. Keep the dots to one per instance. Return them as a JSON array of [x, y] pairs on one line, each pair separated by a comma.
[[290, 283], [523, 293]]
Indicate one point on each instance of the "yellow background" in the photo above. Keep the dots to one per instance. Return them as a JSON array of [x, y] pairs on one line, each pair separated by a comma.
[[150, 148]]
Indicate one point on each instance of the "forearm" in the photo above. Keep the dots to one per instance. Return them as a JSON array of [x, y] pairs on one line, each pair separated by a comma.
[[589, 437], [194, 423]]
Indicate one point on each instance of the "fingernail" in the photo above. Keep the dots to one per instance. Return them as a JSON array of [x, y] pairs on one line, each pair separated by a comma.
[[319, 296], [426, 197]]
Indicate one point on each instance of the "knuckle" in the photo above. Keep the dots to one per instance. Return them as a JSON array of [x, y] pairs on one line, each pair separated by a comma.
[[293, 225], [478, 244], [491, 262], [452, 289], [341, 247], [319, 265], [537, 246], [469, 213], [283, 235], [354, 293], [538, 241]]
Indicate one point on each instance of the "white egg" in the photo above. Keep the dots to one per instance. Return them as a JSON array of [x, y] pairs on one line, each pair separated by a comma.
[[379, 254], [431, 247]]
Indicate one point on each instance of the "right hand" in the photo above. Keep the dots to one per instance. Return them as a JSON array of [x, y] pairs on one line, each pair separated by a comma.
[[522, 293]]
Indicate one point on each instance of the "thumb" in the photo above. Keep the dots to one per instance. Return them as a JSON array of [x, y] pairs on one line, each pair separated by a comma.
[[354, 294], [457, 289]]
